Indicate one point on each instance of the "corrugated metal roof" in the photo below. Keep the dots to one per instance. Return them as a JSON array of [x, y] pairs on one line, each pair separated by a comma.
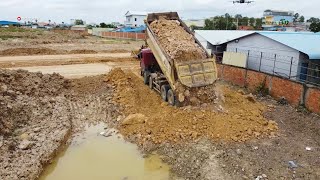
[[137, 13], [216, 37], [308, 43]]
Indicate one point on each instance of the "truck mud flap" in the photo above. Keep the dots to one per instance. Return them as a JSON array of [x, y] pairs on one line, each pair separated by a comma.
[[197, 73]]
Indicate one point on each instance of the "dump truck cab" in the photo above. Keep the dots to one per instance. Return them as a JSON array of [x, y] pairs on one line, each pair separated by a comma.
[[148, 64]]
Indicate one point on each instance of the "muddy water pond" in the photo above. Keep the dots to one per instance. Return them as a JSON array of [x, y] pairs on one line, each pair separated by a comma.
[[93, 156]]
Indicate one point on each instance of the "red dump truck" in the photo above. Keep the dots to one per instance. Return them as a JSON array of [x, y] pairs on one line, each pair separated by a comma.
[[162, 73]]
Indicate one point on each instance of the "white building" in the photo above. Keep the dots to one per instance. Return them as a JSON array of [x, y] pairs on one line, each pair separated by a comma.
[[294, 55], [135, 19]]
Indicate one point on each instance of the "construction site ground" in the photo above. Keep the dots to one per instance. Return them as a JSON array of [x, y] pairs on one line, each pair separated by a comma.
[[240, 137]]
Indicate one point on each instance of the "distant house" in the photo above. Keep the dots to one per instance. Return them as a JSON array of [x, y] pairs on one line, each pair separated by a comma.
[[294, 55], [135, 19], [79, 28]]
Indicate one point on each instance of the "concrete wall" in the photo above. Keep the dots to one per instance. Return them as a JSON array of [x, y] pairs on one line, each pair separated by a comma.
[[296, 93], [124, 35], [271, 50], [98, 31]]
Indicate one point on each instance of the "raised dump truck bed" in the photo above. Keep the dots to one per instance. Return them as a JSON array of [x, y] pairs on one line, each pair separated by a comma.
[[169, 72]]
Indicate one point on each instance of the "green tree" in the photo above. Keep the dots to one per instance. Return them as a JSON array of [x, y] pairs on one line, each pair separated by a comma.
[[79, 22], [104, 25], [296, 17], [244, 21], [258, 23], [238, 16], [313, 20], [252, 21], [301, 19], [315, 27], [208, 24]]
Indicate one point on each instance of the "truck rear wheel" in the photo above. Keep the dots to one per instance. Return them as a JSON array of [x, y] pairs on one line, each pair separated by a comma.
[[171, 97], [146, 77], [164, 90]]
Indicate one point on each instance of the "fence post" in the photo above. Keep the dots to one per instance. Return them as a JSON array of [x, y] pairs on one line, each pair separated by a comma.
[[274, 64], [290, 68], [136, 36], [260, 63]]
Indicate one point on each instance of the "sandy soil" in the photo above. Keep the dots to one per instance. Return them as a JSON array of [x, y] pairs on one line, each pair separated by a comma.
[[53, 60], [180, 135], [34, 42], [81, 70]]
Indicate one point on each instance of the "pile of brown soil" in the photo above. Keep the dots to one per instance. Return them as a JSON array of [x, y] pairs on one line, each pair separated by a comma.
[[148, 118], [27, 51], [178, 43], [34, 121], [16, 87]]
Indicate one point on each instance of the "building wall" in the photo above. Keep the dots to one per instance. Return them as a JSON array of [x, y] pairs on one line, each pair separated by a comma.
[[98, 31], [135, 20], [203, 42], [300, 94], [260, 48]]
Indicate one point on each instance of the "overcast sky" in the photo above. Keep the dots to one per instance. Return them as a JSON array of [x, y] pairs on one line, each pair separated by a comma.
[[114, 10]]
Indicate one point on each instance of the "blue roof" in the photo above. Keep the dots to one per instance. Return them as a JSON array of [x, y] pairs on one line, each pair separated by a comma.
[[131, 29], [306, 42], [2, 23]]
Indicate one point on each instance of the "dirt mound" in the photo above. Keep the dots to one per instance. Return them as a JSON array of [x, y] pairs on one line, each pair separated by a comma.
[[179, 44], [15, 85], [82, 51], [27, 51], [34, 121], [240, 120]]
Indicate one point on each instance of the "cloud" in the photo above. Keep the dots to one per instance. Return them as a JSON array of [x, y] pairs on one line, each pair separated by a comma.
[[108, 11]]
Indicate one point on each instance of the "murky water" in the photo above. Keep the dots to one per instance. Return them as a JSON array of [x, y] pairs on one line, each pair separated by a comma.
[[92, 156]]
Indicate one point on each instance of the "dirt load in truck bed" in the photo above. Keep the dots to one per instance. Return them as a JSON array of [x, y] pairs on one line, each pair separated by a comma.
[[178, 43]]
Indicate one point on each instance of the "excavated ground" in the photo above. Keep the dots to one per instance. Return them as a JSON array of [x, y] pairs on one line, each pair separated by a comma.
[[39, 112], [147, 118], [207, 142], [179, 44], [19, 41]]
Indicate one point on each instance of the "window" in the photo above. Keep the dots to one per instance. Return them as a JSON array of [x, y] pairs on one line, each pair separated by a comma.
[[135, 19]]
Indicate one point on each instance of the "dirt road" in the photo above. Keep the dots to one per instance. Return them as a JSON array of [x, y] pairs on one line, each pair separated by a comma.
[[66, 57], [80, 70]]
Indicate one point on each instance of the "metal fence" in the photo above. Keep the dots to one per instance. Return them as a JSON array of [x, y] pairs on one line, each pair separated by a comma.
[[294, 68]]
